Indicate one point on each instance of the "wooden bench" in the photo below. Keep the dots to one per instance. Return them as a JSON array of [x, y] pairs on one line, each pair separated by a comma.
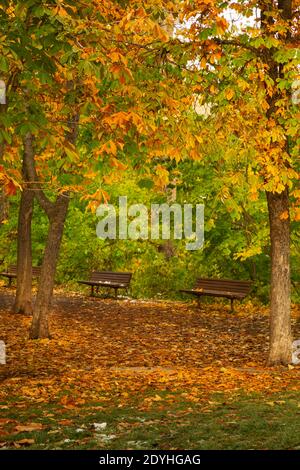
[[11, 273], [110, 279], [227, 288]]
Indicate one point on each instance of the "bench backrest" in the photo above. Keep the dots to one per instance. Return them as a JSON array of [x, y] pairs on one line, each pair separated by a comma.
[[36, 270], [12, 269], [224, 285], [111, 277]]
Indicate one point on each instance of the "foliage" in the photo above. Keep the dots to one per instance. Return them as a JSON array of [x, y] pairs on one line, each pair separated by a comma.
[[236, 237], [118, 72]]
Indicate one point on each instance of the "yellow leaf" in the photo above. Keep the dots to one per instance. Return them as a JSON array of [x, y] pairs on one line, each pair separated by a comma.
[[229, 93], [114, 162], [117, 57], [203, 62], [160, 33], [156, 398]]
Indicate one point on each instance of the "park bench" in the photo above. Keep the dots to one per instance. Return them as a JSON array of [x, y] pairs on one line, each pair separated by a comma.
[[230, 289], [108, 279], [11, 273]]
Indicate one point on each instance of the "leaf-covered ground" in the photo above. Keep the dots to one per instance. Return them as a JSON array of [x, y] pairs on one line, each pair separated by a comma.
[[131, 358]]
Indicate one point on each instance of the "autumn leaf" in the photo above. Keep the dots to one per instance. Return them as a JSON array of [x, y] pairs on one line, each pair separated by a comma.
[[297, 214], [284, 215], [10, 188], [229, 93], [24, 442], [29, 428], [65, 422]]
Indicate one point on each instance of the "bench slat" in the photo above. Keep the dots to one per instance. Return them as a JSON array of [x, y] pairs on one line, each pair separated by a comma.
[[216, 293], [223, 284], [121, 278], [220, 285], [12, 270]]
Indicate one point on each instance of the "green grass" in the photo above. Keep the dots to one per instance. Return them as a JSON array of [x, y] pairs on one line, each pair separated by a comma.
[[236, 422]]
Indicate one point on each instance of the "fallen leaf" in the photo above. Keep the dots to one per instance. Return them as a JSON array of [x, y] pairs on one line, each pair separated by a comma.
[[24, 442], [65, 422], [29, 428]]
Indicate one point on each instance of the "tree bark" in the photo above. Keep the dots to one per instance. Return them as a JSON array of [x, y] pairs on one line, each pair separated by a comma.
[[23, 300], [39, 326], [280, 351], [280, 322], [4, 206]]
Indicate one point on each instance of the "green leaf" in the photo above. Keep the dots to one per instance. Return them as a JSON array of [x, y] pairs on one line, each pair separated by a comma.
[[146, 183], [71, 153], [4, 65], [6, 136]]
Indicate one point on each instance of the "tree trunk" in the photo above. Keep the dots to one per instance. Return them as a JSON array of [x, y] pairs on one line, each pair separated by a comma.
[[278, 206], [23, 300], [39, 326], [280, 321], [4, 206], [56, 213]]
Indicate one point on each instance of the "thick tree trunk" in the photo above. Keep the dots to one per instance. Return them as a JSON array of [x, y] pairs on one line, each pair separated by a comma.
[[278, 205], [39, 326], [4, 206], [23, 300], [280, 321]]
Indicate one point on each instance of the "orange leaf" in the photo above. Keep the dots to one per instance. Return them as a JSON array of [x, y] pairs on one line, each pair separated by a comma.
[[10, 188], [29, 428], [229, 93], [284, 215], [24, 442]]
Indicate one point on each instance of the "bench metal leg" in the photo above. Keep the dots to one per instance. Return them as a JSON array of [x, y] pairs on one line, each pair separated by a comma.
[[92, 291], [231, 306], [9, 282], [116, 292]]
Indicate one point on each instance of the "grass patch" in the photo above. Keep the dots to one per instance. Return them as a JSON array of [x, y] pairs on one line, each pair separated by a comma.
[[167, 422]]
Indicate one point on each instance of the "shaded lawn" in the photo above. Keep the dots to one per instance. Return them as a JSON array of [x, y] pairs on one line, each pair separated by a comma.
[[235, 422], [160, 374]]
